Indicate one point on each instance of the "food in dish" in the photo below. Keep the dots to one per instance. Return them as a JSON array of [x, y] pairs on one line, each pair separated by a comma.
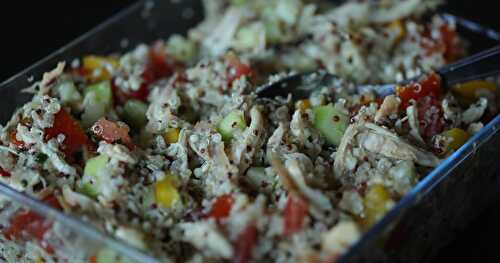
[[168, 148]]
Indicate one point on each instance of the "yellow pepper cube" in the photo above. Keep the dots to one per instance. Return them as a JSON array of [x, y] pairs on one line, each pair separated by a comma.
[[399, 30], [172, 135], [166, 194], [457, 137], [303, 105], [472, 90], [377, 202], [100, 68]]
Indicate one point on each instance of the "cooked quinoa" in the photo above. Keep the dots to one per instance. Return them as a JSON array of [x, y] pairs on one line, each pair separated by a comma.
[[168, 147]]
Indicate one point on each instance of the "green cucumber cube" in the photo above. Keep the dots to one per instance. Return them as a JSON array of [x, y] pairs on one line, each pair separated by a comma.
[[330, 122]]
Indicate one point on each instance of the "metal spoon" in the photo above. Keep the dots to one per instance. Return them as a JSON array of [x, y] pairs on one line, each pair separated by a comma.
[[301, 85]]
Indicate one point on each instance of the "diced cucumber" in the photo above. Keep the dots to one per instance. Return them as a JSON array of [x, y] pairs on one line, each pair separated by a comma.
[[181, 48], [102, 91], [248, 37], [107, 255], [135, 113], [91, 181], [67, 92], [98, 99], [330, 122], [232, 122], [273, 31], [238, 2]]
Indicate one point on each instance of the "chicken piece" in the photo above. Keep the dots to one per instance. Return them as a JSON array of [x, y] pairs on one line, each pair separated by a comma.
[[340, 237], [47, 79], [216, 44], [475, 111], [205, 236], [389, 107], [216, 170], [303, 134], [245, 145], [377, 141], [412, 114], [179, 153], [292, 174], [160, 113]]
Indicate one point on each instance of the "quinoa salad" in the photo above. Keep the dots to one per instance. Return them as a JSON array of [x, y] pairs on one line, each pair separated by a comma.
[[168, 148]]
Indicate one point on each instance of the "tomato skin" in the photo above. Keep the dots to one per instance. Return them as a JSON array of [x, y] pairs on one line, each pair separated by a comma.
[[30, 225], [426, 93], [4, 173], [159, 65], [295, 212], [428, 86], [222, 207], [238, 69], [112, 132], [13, 139], [449, 38], [244, 244], [159, 62], [75, 137]]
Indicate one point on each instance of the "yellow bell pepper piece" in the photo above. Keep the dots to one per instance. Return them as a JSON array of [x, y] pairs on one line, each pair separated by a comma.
[[100, 68], [458, 137], [166, 193], [377, 202], [39, 260], [303, 105], [473, 89], [397, 27], [172, 135]]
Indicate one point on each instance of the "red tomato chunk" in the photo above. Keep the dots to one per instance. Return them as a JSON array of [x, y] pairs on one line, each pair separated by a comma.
[[295, 212], [222, 207], [112, 132], [75, 137]]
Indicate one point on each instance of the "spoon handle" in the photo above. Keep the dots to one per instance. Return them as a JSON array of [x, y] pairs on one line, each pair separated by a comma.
[[481, 65]]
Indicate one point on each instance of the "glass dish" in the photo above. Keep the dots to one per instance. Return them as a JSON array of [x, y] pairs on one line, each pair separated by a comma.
[[413, 231]]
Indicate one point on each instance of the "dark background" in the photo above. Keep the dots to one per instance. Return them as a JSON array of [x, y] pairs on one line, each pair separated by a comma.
[[30, 30]]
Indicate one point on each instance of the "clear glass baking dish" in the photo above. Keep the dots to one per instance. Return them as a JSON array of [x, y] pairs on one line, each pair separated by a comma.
[[413, 231]]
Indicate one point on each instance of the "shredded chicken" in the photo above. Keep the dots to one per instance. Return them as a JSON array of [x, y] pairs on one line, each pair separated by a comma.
[[378, 141]]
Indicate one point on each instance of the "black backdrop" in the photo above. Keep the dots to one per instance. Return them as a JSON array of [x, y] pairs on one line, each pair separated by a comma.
[[30, 30]]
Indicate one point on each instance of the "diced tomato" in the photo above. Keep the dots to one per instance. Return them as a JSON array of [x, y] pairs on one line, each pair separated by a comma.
[[222, 207], [447, 43], [30, 225], [159, 65], [159, 62], [430, 116], [295, 212], [75, 137], [428, 86], [244, 244], [13, 139], [4, 173], [112, 132], [452, 48], [80, 71], [237, 69]]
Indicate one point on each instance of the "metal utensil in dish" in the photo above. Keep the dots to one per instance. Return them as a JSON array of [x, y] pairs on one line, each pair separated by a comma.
[[300, 86]]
